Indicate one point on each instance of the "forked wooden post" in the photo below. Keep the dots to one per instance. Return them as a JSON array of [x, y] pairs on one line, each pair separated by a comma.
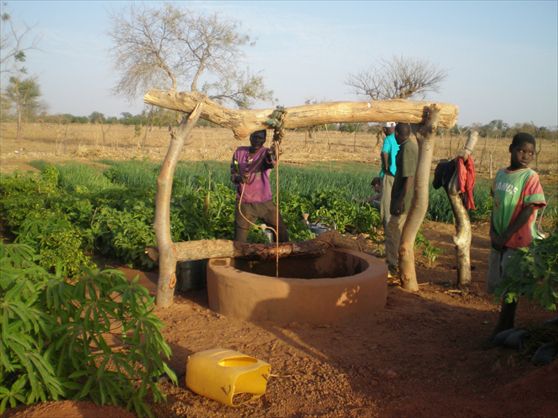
[[419, 204], [462, 238], [167, 256]]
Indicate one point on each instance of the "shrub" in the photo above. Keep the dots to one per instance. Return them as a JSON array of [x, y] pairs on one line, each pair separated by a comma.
[[533, 272], [93, 338], [57, 242]]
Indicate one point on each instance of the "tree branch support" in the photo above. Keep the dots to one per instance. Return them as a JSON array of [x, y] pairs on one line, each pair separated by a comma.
[[244, 122]]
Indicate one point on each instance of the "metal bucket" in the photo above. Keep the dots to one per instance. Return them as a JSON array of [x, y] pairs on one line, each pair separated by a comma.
[[191, 275]]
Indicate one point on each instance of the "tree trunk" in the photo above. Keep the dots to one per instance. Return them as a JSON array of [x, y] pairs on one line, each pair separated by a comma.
[[462, 238], [19, 121], [203, 249], [419, 204], [167, 257], [244, 122]]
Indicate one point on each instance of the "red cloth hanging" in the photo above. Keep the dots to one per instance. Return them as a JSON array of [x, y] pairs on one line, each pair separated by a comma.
[[466, 180]]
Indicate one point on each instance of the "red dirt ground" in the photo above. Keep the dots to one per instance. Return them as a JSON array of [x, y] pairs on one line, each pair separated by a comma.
[[420, 357]]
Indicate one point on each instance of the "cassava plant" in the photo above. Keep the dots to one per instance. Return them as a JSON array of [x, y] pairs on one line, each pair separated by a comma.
[[533, 272], [93, 337]]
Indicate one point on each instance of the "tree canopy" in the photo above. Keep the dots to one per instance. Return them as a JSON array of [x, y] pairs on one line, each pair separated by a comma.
[[165, 47], [397, 78]]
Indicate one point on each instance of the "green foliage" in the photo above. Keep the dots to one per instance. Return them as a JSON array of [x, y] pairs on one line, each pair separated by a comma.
[[124, 234], [27, 373], [24, 95], [93, 338], [57, 242], [439, 206], [429, 251], [483, 203], [22, 193], [49, 220], [533, 272], [112, 214], [133, 174], [337, 211], [82, 178]]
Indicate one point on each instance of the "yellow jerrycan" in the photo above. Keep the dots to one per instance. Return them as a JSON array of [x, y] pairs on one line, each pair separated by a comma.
[[220, 374]]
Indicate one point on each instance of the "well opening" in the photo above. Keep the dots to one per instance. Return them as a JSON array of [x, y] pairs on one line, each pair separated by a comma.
[[332, 264]]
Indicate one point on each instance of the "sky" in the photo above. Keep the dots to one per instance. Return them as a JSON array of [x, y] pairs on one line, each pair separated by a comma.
[[500, 57]]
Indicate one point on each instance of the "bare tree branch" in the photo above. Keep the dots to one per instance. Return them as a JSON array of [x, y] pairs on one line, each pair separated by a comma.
[[14, 44], [170, 46], [398, 78]]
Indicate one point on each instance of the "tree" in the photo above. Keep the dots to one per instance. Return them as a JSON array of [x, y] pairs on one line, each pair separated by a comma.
[[398, 78], [171, 46], [24, 96], [96, 117], [13, 44]]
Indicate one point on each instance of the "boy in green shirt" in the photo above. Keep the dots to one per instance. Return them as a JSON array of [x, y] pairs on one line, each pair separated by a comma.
[[517, 194]]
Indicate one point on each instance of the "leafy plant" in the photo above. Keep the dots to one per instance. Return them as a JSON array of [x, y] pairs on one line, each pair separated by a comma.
[[429, 251], [55, 239], [124, 235], [93, 338], [27, 373], [22, 193], [533, 272]]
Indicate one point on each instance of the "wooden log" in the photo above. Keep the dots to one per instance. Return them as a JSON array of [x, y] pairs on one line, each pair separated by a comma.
[[203, 249], [244, 122]]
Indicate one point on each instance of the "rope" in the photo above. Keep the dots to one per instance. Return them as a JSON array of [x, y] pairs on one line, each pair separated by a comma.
[[276, 121]]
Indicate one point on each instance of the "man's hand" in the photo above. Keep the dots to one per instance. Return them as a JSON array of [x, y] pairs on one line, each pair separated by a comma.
[[399, 207], [237, 178]]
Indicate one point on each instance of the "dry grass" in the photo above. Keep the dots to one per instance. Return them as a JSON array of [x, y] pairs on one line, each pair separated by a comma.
[[93, 142]]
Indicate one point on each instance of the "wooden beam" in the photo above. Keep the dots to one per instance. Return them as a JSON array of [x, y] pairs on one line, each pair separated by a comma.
[[203, 249], [244, 122]]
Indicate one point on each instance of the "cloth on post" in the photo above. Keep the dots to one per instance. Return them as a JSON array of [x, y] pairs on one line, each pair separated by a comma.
[[443, 173], [466, 180]]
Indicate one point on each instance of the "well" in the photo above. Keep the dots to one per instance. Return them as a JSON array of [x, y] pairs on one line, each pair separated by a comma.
[[338, 285]]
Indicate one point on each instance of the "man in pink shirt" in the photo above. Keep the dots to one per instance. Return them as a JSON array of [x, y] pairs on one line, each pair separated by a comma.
[[250, 170]]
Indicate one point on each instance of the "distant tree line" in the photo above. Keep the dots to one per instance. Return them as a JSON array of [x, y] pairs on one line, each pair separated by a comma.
[[500, 129], [162, 117]]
